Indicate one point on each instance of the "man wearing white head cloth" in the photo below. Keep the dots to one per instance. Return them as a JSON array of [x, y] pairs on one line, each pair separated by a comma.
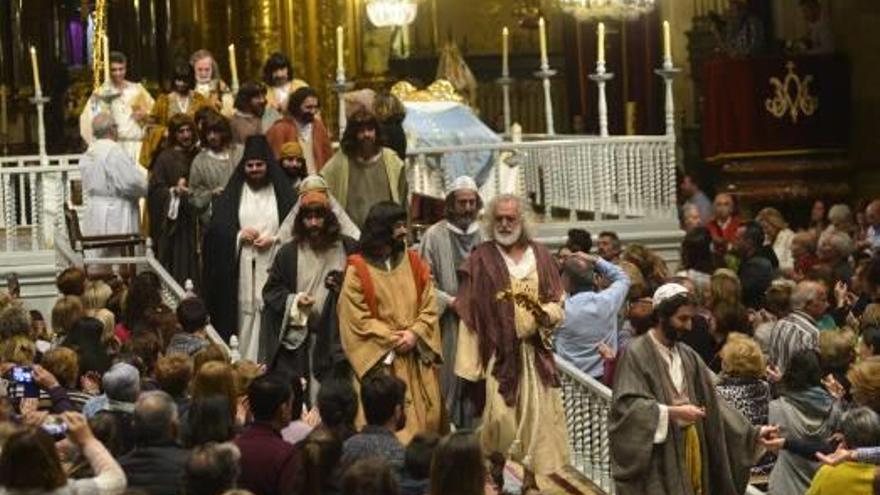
[[445, 246], [664, 396]]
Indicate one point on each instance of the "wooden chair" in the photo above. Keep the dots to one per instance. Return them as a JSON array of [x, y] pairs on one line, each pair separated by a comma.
[[80, 243], [424, 212]]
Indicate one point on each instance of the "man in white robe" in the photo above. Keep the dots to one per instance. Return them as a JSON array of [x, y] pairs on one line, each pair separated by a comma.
[[244, 228], [112, 183], [129, 108], [445, 246]]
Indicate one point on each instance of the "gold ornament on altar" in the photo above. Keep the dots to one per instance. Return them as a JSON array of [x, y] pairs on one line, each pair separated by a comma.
[[439, 90], [791, 96]]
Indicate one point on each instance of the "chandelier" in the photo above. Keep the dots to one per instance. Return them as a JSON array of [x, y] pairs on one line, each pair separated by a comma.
[[598, 9], [383, 13]]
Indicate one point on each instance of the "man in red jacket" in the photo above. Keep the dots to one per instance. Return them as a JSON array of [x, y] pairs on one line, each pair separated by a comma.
[[303, 125], [724, 224]]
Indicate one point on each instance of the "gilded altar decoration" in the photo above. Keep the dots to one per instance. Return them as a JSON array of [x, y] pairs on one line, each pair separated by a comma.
[[791, 96], [439, 90]]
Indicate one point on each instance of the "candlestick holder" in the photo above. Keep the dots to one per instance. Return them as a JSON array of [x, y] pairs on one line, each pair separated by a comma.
[[46, 200], [668, 73], [545, 74], [341, 87], [601, 77], [506, 81]]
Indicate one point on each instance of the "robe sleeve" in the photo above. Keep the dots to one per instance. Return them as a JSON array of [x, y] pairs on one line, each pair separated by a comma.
[[365, 339], [200, 191], [278, 284], [429, 253], [467, 355], [427, 324], [634, 417]]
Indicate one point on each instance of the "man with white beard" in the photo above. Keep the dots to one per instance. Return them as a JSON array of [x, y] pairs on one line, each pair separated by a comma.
[[509, 301]]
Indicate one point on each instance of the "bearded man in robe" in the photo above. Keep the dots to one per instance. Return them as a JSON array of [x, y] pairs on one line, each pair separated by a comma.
[[180, 100], [213, 166], [388, 318], [172, 220], [670, 433], [445, 246], [300, 336], [303, 125], [278, 78], [509, 301], [363, 173], [241, 241], [209, 84]]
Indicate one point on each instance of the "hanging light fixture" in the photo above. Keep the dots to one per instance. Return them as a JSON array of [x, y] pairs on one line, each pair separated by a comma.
[[383, 13], [603, 9]]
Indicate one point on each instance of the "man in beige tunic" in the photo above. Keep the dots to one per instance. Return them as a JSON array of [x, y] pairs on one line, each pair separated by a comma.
[[509, 303], [363, 173], [388, 319]]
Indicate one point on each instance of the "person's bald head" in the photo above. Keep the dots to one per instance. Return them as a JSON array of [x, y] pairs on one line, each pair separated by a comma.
[[872, 213], [155, 418], [103, 126], [723, 206], [578, 275]]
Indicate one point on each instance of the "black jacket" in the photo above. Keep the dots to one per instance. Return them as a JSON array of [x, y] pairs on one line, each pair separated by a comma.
[[156, 469]]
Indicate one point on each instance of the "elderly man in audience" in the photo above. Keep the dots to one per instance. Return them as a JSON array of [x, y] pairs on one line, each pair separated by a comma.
[[835, 247], [724, 224], [157, 462], [798, 330]]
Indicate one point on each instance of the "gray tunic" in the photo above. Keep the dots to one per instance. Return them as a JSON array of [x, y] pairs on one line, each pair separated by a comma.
[[209, 172]]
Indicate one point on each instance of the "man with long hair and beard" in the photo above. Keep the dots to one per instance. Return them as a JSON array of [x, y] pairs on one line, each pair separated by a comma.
[[664, 396], [241, 241], [172, 220], [299, 335], [388, 318], [445, 245], [509, 301], [303, 125], [363, 173]]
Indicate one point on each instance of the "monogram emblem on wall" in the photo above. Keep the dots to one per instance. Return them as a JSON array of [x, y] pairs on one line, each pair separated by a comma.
[[791, 96]]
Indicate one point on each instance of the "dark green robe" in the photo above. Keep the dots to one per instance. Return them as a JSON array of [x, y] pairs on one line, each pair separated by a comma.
[[638, 466]]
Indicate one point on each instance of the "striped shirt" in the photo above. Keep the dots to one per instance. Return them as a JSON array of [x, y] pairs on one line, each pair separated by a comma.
[[796, 332]]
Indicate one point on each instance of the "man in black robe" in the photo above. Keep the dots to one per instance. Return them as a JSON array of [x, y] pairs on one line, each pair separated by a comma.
[[172, 221], [300, 336], [240, 240]]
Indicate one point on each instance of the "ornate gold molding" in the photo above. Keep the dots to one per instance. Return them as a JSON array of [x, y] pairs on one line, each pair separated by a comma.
[[783, 102]]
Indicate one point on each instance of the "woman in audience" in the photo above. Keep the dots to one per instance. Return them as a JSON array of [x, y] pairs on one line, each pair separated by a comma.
[[818, 222], [804, 412], [65, 313], [143, 295], [415, 478], [371, 476], [209, 420], [29, 463], [63, 364], [696, 259], [85, 339], [836, 353], [777, 305], [743, 386], [458, 465], [860, 428], [322, 448], [778, 235]]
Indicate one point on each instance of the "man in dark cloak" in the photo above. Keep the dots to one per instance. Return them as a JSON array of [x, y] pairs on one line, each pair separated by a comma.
[[172, 220], [241, 240], [300, 335], [670, 433]]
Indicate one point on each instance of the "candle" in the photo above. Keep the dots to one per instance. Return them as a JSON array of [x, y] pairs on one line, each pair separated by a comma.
[[38, 89], [340, 64], [4, 115], [542, 34], [667, 44], [233, 67], [505, 69], [106, 59], [601, 49]]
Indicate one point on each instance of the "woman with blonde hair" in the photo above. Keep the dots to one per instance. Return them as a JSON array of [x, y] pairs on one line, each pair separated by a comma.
[[390, 112], [777, 235], [724, 288], [66, 311], [743, 386]]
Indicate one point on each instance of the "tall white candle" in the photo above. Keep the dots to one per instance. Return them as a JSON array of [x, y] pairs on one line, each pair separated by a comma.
[[106, 59], [505, 69], [233, 66], [601, 46], [340, 64], [38, 89], [542, 34], [667, 43]]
